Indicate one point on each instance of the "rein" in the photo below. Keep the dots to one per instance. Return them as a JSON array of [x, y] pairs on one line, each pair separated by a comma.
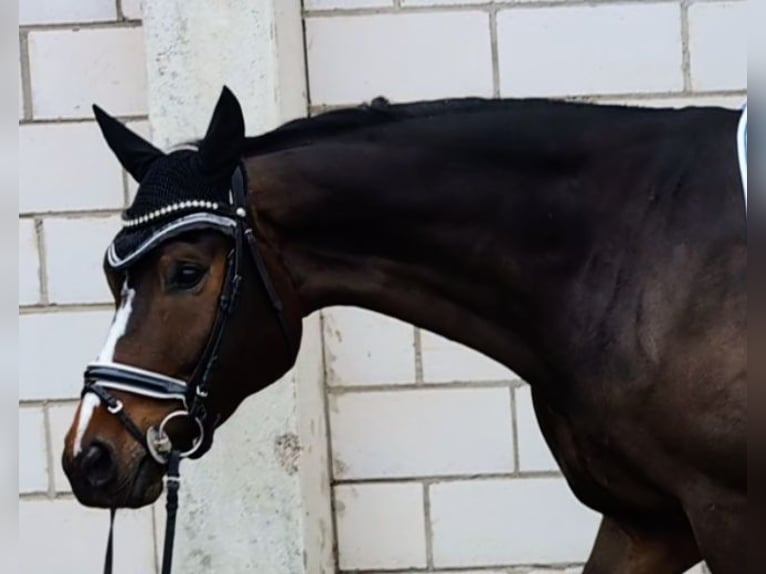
[[100, 378]]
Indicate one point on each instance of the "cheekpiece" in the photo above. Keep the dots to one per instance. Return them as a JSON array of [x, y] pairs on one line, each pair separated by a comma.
[[174, 197]]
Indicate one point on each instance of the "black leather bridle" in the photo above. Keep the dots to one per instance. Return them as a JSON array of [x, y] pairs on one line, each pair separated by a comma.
[[101, 378]]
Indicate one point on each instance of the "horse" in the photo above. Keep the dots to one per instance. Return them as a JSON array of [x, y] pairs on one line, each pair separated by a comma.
[[598, 251]]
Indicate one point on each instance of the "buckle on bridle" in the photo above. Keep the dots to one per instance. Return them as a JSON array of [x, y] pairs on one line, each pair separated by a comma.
[[115, 407], [158, 441]]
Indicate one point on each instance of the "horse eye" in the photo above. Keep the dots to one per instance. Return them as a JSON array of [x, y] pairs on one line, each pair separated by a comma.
[[186, 276]]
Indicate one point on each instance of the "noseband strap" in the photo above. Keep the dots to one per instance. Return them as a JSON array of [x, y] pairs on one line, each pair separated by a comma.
[[101, 378]]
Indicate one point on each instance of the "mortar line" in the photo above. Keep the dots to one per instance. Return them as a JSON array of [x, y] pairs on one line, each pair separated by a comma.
[[686, 56], [481, 7], [125, 190], [328, 438], [306, 82], [429, 528], [418, 344], [77, 26], [45, 496], [515, 431], [79, 120], [154, 539], [103, 213], [51, 308], [508, 568], [494, 52], [450, 478], [47, 402], [118, 8], [48, 450], [346, 389], [26, 77], [42, 257]]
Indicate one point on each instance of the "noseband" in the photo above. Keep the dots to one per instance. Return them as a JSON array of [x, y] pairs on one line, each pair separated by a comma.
[[101, 378]]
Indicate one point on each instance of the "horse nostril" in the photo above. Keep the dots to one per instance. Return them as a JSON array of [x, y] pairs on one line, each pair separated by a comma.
[[98, 465]]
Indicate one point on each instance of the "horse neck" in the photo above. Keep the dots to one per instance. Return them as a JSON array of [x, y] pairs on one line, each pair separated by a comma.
[[465, 238]]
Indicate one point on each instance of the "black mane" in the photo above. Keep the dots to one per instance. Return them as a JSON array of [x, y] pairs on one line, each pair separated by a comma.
[[304, 131]]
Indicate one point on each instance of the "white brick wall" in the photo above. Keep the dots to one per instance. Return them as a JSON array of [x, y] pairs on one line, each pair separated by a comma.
[[78, 279], [29, 264], [57, 12], [440, 416], [80, 171], [445, 361], [72, 69], [718, 45], [71, 189], [380, 526], [33, 459], [521, 521], [54, 348], [426, 432], [590, 50], [410, 56], [132, 9], [63, 537]]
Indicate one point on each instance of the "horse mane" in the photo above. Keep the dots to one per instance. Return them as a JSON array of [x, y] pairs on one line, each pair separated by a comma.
[[567, 115], [380, 111]]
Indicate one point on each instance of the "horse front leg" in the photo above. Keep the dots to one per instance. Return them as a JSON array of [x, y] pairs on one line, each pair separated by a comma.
[[624, 549]]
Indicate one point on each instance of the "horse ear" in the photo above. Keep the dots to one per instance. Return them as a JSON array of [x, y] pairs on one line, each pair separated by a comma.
[[221, 148], [134, 153]]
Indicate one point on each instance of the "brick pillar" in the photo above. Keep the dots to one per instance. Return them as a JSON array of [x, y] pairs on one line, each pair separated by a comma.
[[244, 507]]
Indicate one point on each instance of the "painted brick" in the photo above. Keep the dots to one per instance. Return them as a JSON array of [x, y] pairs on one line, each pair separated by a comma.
[[21, 92], [731, 102], [80, 170], [365, 348], [518, 570], [60, 418], [409, 3], [54, 349], [534, 454], [58, 12], [133, 9], [421, 433], [447, 361], [590, 50], [380, 526], [33, 461], [718, 45], [108, 65], [511, 570], [74, 536], [412, 56], [29, 263], [516, 521], [75, 252], [344, 4]]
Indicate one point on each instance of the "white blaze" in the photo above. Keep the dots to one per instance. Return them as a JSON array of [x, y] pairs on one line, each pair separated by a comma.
[[90, 401]]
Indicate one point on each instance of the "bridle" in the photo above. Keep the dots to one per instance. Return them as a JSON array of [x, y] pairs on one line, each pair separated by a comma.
[[101, 378]]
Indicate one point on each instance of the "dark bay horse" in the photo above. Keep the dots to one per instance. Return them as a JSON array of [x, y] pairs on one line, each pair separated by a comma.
[[597, 251]]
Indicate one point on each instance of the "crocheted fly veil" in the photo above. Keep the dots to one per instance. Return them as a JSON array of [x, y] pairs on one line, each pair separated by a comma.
[[180, 191]]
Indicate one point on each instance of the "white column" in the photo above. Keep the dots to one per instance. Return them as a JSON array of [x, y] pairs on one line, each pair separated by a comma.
[[246, 506]]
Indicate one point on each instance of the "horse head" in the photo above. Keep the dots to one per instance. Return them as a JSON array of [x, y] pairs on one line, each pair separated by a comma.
[[190, 276]]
